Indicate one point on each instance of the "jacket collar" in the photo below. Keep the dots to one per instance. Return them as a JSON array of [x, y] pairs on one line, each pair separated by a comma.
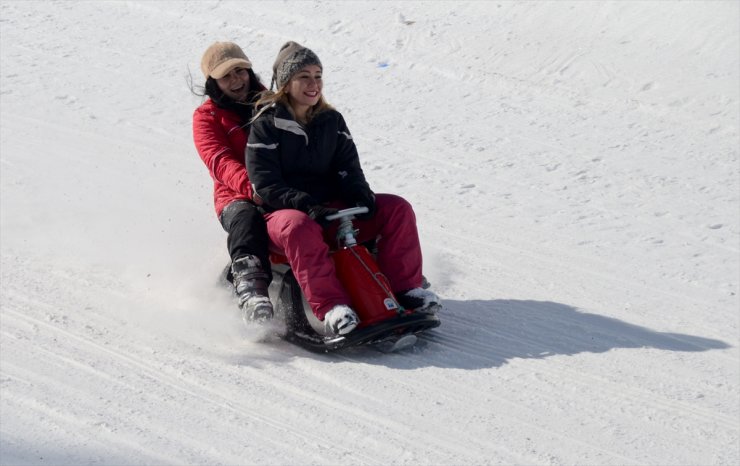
[[284, 120]]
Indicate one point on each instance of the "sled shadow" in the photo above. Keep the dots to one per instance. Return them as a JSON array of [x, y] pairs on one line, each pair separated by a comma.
[[484, 334]]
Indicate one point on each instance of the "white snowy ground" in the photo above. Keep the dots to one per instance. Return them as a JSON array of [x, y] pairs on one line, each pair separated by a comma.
[[574, 168]]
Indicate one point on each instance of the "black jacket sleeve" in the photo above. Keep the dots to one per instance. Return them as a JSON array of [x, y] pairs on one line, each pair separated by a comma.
[[263, 165], [346, 164]]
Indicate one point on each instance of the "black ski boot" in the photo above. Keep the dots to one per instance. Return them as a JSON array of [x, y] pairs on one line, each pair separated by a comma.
[[250, 283]]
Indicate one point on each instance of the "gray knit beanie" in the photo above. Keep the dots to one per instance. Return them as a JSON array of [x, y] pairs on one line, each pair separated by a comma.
[[291, 58]]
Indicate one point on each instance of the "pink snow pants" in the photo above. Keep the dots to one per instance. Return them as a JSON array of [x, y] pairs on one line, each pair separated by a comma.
[[306, 245]]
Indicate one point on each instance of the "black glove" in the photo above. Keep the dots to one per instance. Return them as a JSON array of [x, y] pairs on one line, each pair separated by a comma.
[[319, 212], [365, 198]]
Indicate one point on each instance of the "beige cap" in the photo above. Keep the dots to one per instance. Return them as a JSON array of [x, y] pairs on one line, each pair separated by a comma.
[[222, 57]]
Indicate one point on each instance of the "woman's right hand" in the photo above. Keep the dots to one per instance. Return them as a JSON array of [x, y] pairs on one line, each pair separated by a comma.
[[319, 212]]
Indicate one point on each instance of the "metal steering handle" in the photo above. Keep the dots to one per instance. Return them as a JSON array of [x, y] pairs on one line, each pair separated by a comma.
[[352, 211], [345, 232]]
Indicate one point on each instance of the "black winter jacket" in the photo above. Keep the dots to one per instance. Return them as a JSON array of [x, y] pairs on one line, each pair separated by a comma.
[[292, 166]]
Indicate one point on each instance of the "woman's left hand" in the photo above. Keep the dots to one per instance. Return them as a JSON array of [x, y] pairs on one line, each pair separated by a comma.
[[365, 198]]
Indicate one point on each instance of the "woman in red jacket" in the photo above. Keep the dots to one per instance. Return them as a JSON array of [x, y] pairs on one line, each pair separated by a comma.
[[220, 131]]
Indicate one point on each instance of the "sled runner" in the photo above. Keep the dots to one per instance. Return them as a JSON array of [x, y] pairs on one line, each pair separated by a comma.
[[384, 323]]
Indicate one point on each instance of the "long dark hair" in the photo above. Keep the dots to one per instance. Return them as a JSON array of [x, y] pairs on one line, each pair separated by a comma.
[[243, 109]]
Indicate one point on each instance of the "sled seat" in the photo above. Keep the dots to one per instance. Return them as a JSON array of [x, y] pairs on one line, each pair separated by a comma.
[[277, 259]]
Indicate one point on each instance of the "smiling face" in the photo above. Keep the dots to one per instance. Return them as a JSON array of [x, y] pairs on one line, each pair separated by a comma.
[[304, 89], [235, 84]]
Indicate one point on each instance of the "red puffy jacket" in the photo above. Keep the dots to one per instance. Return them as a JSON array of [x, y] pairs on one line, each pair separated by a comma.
[[221, 141]]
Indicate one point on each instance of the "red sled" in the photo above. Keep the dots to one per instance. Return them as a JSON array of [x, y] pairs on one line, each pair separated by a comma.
[[384, 323]]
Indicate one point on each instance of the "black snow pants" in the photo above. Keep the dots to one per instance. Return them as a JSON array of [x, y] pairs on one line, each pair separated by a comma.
[[247, 232]]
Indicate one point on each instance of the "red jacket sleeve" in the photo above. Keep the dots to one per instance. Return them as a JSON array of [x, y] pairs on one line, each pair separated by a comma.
[[225, 163]]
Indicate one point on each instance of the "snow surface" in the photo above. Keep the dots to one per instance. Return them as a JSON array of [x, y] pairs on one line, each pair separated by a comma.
[[574, 168]]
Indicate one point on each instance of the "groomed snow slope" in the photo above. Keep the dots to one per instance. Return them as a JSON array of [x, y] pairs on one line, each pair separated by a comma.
[[574, 169]]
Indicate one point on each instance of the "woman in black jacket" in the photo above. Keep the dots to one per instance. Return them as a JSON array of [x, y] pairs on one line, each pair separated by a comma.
[[303, 165]]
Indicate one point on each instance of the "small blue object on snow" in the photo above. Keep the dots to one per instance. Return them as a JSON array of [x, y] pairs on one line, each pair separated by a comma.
[[383, 64]]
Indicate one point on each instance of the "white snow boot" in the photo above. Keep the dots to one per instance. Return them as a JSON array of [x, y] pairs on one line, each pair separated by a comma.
[[340, 320], [250, 283]]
